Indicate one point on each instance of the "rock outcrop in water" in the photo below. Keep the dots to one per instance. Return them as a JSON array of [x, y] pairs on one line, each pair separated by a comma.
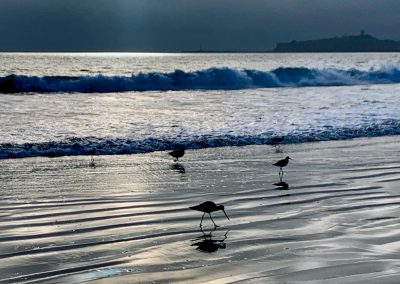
[[353, 43]]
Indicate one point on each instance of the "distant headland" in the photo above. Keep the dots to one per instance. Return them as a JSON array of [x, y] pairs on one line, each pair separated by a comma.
[[347, 43]]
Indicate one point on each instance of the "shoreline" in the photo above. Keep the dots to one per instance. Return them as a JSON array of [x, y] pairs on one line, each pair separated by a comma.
[[127, 220], [121, 146]]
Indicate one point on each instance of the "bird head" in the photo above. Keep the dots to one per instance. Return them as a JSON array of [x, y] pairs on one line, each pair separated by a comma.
[[221, 207], [288, 158]]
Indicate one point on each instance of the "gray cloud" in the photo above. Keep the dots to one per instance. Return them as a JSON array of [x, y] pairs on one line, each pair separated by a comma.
[[175, 25]]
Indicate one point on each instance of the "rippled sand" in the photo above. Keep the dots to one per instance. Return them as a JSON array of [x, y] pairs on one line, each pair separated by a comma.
[[127, 220]]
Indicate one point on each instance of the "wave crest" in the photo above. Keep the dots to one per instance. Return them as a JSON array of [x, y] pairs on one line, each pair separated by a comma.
[[208, 79]]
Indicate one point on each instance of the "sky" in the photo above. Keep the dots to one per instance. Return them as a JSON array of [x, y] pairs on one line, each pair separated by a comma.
[[182, 25]]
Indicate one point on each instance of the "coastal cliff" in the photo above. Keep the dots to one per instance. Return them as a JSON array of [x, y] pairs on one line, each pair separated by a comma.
[[352, 43]]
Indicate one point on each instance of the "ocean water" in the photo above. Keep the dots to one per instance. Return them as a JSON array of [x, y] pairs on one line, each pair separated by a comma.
[[127, 220], [124, 103]]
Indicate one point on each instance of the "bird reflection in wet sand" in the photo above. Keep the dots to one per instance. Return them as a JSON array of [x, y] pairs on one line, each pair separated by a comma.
[[208, 243], [282, 185], [208, 207], [178, 167]]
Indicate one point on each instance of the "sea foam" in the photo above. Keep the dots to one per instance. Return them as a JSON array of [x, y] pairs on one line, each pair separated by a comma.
[[118, 146]]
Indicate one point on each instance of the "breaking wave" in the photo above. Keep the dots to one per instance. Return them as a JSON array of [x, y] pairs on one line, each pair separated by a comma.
[[117, 146], [208, 79]]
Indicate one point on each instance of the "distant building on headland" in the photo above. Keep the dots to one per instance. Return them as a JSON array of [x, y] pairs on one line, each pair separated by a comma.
[[352, 43]]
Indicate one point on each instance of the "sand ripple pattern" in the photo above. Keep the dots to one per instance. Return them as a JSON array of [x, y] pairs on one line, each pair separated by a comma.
[[127, 220]]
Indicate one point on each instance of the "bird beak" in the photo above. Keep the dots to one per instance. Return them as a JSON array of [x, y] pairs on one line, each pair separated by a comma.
[[226, 215]]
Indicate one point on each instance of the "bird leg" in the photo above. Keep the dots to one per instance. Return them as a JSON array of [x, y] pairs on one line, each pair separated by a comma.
[[92, 164], [201, 222], [281, 173], [215, 225]]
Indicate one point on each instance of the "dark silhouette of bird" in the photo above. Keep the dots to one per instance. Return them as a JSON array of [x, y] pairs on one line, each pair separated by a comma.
[[282, 163], [177, 153], [208, 207], [276, 140], [92, 154]]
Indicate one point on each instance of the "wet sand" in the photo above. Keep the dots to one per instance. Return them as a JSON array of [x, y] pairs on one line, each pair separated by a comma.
[[127, 220]]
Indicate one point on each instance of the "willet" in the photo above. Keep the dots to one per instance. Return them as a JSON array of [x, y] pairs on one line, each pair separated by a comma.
[[208, 207], [276, 140], [178, 153], [282, 163], [92, 153]]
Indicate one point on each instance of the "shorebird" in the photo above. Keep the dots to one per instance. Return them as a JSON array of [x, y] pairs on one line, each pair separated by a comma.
[[276, 140], [282, 163], [208, 207], [178, 153], [92, 153]]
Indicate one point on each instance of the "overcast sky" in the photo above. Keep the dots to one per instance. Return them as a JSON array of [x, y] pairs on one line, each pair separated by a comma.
[[177, 25]]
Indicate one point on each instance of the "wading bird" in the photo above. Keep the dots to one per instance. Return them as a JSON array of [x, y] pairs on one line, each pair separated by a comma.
[[178, 153], [208, 207], [276, 140], [92, 154], [282, 163]]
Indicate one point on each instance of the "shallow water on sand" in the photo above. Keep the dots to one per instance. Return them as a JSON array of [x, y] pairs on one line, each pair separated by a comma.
[[127, 220]]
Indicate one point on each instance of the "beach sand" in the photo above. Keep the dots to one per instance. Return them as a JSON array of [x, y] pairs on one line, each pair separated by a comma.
[[127, 220]]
